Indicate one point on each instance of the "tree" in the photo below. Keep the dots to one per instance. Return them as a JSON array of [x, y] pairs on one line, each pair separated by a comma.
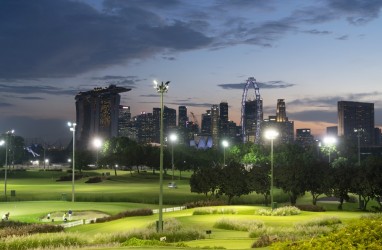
[[233, 181], [206, 180], [259, 181], [317, 182], [341, 175], [292, 163]]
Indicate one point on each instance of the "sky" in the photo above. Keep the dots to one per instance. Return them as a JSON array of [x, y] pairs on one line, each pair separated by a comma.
[[311, 53]]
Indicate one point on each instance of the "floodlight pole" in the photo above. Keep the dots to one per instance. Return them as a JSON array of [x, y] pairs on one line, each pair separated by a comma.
[[161, 88], [73, 129]]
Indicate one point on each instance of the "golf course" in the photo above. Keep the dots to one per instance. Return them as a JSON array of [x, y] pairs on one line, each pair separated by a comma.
[[120, 212]]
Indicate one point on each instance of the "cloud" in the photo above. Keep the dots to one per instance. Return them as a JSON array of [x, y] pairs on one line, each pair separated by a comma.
[[39, 89], [318, 32], [261, 85], [32, 98], [5, 104], [358, 12], [314, 116], [65, 38], [124, 81], [344, 37]]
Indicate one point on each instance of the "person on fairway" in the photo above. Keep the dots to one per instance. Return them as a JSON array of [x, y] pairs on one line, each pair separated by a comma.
[[64, 217]]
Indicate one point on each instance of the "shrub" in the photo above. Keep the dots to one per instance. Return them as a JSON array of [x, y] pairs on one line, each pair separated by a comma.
[[239, 225], [69, 177], [18, 228], [360, 234], [311, 208], [282, 211], [173, 232], [131, 213], [205, 203], [95, 179], [204, 211], [327, 221]]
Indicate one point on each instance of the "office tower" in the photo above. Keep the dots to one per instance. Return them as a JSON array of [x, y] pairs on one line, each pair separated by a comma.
[[97, 114], [182, 116], [182, 130], [124, 120], [280, 123], [304, 137], [169, 120], [206, 123], [281, 111], [250, 119], [377, 136], [356, 119], [224, 130], [145, 127], [215, 124]]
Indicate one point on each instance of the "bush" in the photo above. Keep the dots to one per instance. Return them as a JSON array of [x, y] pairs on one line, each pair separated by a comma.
[[95, 179], [360, 234], [239, 225], [205, 203], [311, 208], [18, 228], [204, 211], [282, 211], [137, 212], [328, 221], [69, 177]]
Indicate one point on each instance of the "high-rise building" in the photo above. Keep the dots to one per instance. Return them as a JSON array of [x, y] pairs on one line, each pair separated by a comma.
[[145, 125], [250, 119], [224, 129], [97, 114], [124, 120], [281, 111], [206, 123], [169, 120], [356, 119], [182, 116], [332, 130], [304, 137], [215, 124], [281, 123]]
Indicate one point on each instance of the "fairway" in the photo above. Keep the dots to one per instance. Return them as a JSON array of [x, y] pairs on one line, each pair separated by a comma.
[[39, 193]]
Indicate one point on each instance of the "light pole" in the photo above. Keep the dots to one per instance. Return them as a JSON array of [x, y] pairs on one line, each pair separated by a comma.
[[161, 88], [225, 145], [2, 142], [173, 139], [358, 131], [329, 142], [271, 134], [73, 129], [97, 142]]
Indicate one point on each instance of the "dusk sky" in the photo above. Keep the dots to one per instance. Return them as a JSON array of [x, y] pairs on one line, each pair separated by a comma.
[[310, 53]]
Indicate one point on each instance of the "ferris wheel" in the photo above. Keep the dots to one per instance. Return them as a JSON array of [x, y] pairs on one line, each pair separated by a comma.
[[259, 110]]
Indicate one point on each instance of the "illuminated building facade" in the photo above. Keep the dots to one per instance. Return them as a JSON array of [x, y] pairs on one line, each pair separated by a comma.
[[97, 113]]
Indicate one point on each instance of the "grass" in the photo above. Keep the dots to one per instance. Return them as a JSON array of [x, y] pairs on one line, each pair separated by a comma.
[[129, 192]]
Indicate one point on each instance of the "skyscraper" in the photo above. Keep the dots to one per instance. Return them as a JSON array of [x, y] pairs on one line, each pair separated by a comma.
[[215, 124], [356, 119], [224, 130], [250, 119], [124, 120], [281, 111], [206, 123], [182, 116], [97, 114], [304, 137]]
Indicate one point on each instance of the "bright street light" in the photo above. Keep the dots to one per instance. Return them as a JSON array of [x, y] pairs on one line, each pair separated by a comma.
[[225, 145], [97, 142], [73, 129], [173, 139], [271, 134], [161, 88], [330, 142]]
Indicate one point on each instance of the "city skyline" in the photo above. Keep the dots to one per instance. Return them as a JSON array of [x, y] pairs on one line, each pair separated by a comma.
[[312, 54]]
